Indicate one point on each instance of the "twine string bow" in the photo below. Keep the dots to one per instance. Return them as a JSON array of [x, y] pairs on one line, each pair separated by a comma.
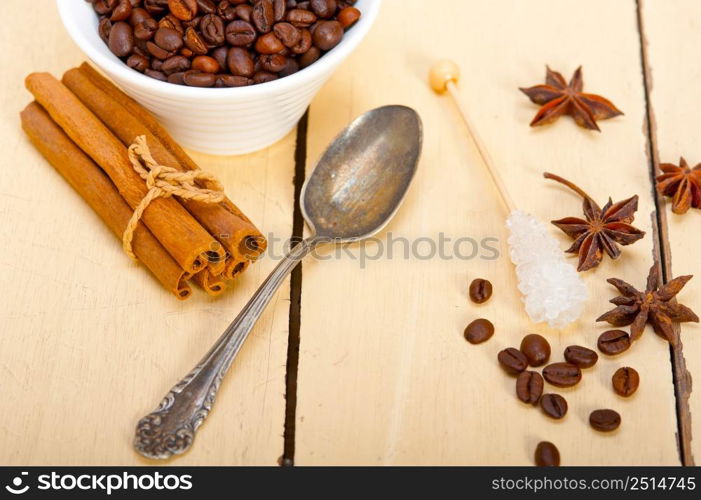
[[164, 182]]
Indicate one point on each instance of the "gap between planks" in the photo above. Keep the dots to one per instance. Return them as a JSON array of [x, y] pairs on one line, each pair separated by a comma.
[[295, 298], [663, 257]]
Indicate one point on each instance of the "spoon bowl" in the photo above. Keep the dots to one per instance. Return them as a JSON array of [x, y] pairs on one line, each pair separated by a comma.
[[363, 176], [352, 194]]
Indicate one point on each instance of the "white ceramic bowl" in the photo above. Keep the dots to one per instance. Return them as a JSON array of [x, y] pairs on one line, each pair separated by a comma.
[[213, 120]]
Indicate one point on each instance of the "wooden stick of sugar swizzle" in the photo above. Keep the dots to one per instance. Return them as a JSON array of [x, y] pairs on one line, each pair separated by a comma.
[[551, 288]]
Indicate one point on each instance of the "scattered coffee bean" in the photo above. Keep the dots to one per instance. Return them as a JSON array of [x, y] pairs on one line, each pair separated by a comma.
[[480, 290], [547, 455], [581, 356], [512, 360], [625, 381], [553, 405], [277, 38], [479, 331], [613, 342], [562, 374], [536, 349], [529, 387], [604, 420]]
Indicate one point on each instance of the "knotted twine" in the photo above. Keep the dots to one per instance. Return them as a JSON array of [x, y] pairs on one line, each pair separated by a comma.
[[164, 182]]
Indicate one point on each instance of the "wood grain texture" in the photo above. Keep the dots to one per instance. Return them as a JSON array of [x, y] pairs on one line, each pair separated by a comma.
[[385, 376], [672, 34], [89, 341]]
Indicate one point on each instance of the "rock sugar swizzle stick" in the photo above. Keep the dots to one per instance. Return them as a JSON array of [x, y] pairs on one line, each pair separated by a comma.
[[550, 287]]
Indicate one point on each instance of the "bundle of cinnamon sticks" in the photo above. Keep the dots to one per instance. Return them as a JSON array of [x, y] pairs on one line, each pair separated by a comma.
[[84, 126]]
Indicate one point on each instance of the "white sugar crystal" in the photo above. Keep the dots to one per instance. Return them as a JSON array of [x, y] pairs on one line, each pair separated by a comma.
[[552, 290]]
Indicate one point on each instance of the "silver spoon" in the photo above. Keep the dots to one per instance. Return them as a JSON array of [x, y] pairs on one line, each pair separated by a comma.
[[354, 191]]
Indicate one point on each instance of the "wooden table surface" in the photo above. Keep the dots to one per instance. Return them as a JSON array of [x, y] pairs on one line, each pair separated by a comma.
[[363, 362]]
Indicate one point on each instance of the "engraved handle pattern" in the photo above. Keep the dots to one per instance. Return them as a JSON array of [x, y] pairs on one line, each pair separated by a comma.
[[170, 429]]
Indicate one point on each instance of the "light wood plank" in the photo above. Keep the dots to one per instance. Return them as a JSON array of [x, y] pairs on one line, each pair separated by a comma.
[[385, 376], [673, 37], [90, 342]]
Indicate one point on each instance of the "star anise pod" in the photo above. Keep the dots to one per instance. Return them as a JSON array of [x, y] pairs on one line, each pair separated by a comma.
[[558, 98], [682, 184], [601, 229], [653, 306]]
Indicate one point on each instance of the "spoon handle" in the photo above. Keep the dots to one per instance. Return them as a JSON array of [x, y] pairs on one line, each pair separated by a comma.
[[170, 428]]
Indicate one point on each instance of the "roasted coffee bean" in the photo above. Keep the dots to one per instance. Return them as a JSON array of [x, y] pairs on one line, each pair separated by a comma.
[[138, 15], [212, 28], [157, 51], [122, 11], [305, 43], [264, 76], [290, 68], [327, 34], [348, 17], [244, 12], [104, 7], [581, 356], [562, 374], [309, 57], [478, 331], [194, 42], [206, 6], [240, 62], [613, 342], [536, 349], [279, 10], [263, 15], [183, 9], [175, 64], [529, 387], [604, 420], [553, 405], [138, 62], [240, 33], [226, 10], [547, 455], [220, 54], [146, 29], [103, 29], [194, 78], [480, 290], [301, 18], [273, 63], [156, 7], [157, 65], [512, 360], [172, 22], [625, 381], [168, 39], [323, 8], [269, 44], [288, 34], [158, 75], [177, 78], [121, 39], [232, 81], [205, 64]]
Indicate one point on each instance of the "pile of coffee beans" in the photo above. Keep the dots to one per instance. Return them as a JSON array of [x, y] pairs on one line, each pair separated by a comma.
[[222, 43]]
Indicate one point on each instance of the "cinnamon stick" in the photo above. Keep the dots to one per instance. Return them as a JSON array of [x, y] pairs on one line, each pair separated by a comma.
[[212, 284], [179, 233], [127, 119], [98, 191]]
